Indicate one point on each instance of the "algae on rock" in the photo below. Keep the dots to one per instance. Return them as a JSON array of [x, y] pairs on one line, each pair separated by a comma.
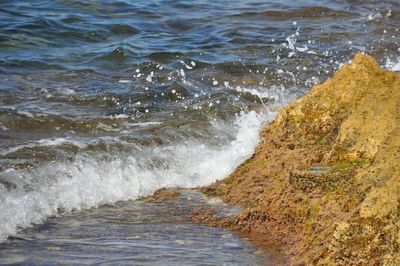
[[325, 178]]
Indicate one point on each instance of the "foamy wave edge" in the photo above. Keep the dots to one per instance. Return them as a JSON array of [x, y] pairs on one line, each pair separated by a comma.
[[89, 181]]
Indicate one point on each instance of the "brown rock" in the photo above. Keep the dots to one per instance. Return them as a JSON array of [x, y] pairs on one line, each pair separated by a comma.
[[162, 194], [325, 178]]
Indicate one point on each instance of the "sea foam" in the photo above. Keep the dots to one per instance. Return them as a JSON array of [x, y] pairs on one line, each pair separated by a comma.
[[89, 181]]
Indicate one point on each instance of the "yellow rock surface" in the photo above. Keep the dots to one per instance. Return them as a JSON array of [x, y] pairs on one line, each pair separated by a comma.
[[325, 178]]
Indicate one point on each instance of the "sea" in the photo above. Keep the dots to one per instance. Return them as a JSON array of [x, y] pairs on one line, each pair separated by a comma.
[[103, 102]]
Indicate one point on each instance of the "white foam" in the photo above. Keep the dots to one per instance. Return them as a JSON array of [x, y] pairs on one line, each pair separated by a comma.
[[4, 128], [25, 113], [42, 142], [280, 96], [145, 124], [393, 65], [373, 16], [92, 180], [125, 81]]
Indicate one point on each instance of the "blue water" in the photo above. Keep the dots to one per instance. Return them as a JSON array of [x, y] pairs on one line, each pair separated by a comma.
[[135, 233], [107, 101]]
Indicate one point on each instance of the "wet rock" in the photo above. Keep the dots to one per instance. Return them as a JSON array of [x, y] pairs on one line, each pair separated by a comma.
[[325, 178], [162, 194]]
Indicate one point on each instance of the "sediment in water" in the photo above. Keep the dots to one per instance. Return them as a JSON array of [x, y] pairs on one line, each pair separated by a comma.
[[325, 178]]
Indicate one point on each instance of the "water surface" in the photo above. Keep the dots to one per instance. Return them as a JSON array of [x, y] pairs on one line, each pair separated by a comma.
[[107, 101], [134, 233]]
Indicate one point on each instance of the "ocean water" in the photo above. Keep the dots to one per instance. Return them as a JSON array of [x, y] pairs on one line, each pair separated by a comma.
[[103, 102], [135, 233]]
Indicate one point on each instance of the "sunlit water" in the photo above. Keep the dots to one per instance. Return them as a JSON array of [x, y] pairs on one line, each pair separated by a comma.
[[107, 101], [134, 233]]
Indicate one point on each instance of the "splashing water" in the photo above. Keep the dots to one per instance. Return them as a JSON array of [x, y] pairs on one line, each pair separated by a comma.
[[92, 180], [108, 101]]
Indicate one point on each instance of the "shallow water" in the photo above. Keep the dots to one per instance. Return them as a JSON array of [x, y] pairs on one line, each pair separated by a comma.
[[107, 101], [133, 233]]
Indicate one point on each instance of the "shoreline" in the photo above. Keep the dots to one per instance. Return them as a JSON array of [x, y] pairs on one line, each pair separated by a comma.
[[322, 180], [210, 213], [263, 240], [145, 231]]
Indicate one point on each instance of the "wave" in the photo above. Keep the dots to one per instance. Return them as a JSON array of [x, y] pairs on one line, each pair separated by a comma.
[[30, 196]]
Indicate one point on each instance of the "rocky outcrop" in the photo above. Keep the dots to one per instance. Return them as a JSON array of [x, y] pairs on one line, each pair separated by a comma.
[[325, 179]]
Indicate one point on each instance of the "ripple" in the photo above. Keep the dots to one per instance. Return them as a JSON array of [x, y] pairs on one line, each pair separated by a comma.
[[154, 93], [123, 29], [312, 12], [118, 54]]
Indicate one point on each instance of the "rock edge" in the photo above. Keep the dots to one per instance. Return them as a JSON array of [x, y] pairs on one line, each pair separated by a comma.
[[325, 178]]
